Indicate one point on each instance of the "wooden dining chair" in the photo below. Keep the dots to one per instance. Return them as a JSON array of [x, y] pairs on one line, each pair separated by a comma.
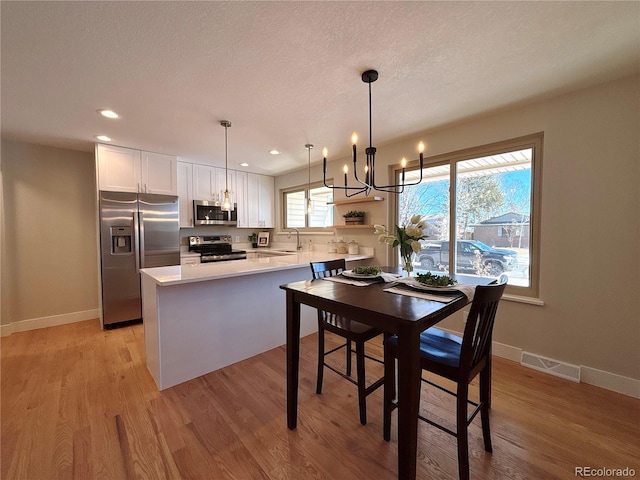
[[351, 331], [459, 359]]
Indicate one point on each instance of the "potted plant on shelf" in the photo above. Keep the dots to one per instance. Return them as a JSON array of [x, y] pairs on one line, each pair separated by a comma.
[[253, 238], [354, 217]]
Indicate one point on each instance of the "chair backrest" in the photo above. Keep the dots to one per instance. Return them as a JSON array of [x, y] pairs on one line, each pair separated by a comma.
[[478, 332], [327, 269]]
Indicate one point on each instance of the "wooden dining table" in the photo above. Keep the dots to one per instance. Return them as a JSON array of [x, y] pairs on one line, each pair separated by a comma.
[[401, 315]]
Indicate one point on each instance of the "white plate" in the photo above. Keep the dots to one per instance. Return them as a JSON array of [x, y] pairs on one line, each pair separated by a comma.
[[351, 274], [430, 288]]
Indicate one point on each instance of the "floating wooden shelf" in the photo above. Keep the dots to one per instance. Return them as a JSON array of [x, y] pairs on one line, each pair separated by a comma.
[[356, 200], [354, 226]]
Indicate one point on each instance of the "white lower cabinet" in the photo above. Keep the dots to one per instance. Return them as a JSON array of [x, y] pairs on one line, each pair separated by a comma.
[[190, 260]]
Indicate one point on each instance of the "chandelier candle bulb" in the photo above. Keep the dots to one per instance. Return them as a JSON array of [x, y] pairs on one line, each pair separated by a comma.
[[346, 170], [325, 152]]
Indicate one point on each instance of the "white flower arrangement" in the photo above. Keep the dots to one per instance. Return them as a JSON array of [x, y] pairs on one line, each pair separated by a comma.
[[407, 238]]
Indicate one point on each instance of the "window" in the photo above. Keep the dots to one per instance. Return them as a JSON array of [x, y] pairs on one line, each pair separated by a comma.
[[295, 201], [487, 198]]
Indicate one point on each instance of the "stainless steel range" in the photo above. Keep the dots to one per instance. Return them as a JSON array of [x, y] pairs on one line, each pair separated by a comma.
[[215, 248]]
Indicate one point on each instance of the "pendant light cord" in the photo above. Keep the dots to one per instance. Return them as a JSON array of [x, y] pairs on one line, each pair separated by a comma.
[[226, 171]]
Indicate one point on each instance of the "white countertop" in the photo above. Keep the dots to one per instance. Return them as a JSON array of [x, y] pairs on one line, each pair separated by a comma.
[[181, 274]]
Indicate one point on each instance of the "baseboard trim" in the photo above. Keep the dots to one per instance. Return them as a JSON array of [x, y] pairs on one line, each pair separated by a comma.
[[610, 381], [506, 351], [52, 321], [598, 378]]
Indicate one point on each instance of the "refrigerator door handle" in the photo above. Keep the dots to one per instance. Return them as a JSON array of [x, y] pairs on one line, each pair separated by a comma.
[[141, 234], [136, 240]]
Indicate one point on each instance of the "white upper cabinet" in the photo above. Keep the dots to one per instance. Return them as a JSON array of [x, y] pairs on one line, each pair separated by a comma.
[[260, 200], [240, 197], [128, 170], [205, 183], [185, 193], [267, 199], [118, 169], [159, 174], [209, 183], [230, 184]]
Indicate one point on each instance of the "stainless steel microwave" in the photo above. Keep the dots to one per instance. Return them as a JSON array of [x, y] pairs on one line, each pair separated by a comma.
[[211, 213]]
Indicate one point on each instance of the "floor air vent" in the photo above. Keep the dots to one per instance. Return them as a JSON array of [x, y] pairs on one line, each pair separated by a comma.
[[550, 366]]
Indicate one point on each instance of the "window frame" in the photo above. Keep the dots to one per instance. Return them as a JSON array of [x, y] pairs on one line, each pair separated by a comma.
[[301, 188], [535, 142]]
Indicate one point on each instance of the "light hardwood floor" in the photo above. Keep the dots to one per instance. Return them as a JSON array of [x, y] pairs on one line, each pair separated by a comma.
[[78, 402]]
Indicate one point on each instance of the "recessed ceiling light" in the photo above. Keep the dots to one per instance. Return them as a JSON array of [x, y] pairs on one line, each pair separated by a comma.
[[274, 152], [244, 164], [108, 113], [103, 138]]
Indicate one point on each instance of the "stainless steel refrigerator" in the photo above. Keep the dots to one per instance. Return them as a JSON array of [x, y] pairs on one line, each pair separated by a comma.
[[136, 231]]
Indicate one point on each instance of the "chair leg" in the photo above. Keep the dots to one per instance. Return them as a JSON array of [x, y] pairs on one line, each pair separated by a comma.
[[488, 370], [362, 395], [461, 430], [348, 358], [320, 358], [389, 392], [485, 398]]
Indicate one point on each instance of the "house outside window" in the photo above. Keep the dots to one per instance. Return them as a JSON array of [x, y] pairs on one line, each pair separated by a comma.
[[510, 230], [488, 199], [295, 203]]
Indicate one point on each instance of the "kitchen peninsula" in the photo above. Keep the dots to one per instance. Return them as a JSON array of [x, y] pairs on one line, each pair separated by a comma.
[[199, 318]]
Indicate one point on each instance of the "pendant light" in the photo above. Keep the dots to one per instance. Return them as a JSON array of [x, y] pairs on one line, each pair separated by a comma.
[[369, 183], [226, 205], [309, 210]]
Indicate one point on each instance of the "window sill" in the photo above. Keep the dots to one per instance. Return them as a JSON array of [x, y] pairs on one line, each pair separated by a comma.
[[519, 299]]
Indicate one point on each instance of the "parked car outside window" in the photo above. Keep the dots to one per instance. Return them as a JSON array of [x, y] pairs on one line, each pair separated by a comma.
[[473, 256]]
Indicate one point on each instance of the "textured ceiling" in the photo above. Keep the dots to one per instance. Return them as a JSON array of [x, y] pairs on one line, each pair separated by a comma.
[[288, 73]]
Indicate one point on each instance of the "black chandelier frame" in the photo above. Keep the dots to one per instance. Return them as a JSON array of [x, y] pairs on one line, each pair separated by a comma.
[[369, 183]]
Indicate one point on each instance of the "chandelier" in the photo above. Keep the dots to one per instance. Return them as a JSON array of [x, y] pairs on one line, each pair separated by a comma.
[[369, 182], [226, 205]]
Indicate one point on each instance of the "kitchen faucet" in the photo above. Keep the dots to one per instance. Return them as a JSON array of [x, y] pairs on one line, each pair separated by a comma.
[[298, 244]]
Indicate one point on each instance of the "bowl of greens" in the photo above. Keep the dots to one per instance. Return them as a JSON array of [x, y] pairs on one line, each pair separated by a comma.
[[363, 272], [433, 280]]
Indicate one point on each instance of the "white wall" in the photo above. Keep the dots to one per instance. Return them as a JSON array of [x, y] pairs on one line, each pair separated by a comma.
[[590, 232], [49, 268]]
